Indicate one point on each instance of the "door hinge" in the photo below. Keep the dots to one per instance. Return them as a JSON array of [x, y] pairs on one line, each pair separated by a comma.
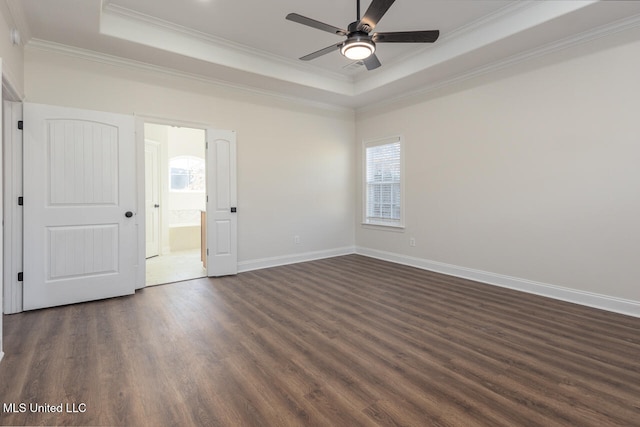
[[20, 124], [20, 277], [20, 201], [207, 251]]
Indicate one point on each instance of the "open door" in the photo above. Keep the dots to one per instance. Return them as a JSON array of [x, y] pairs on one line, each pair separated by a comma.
[[222, 222], [80, 227], [152, 198]]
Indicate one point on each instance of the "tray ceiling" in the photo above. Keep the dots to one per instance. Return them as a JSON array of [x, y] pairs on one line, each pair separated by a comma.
[[250, 44]]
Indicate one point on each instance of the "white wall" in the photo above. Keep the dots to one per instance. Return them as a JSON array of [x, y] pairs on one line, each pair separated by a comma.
[[295, 162], [527, 174]]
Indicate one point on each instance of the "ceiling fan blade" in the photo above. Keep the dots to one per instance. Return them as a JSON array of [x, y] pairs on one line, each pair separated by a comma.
[[372, 62], [321, 52], [407, 37], [315, 24], [376, 10]]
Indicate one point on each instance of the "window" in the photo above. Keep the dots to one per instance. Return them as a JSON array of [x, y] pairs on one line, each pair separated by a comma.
[[186, 173], [383, 181]]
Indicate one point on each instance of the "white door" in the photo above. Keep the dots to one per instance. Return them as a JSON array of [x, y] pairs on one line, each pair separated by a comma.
[[80, 228], [152, 198], [222, 222]]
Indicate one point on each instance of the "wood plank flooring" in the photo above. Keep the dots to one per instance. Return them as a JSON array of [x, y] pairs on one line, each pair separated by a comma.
[[347, 341]]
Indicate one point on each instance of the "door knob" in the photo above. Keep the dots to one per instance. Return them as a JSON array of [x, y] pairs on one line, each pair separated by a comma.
[[156, 206], [129, 214]]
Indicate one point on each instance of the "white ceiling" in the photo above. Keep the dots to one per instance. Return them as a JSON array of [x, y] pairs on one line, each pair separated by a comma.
[[250, 44]]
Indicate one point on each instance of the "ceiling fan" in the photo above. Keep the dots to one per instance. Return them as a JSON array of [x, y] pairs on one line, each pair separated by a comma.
[[360, 45]]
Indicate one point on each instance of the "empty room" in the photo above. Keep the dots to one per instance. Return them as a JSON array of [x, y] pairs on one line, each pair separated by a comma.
[[338, 213]]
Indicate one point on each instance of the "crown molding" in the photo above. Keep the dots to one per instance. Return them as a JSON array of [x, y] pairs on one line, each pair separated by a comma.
[[146, 30], [300, 82], [111, 8], [504, 12], [121, 22], [502, 24], [486, 20], [133, 65], [622, 25]]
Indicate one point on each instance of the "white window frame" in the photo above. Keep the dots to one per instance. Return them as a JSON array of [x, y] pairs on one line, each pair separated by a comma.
[[366, 221]]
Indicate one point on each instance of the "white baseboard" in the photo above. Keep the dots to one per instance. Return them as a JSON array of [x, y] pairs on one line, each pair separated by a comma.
[[257, 264], [604, 302]]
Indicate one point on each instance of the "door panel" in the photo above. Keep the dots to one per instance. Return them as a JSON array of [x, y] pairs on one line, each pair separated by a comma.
[[81, 167], [223, 237], [79, 181], [221, 221], [86, 250]]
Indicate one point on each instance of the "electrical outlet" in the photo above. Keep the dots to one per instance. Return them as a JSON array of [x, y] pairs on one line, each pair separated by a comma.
[[296, 240], [412, 241]]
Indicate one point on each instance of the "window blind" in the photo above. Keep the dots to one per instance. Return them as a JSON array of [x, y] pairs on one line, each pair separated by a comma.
[[383, 182]]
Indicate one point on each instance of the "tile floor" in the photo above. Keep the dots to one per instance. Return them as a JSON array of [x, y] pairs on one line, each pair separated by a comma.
[[174, 267]]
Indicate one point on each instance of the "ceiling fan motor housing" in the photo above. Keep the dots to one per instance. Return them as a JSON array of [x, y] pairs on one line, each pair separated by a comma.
[[358, 45]]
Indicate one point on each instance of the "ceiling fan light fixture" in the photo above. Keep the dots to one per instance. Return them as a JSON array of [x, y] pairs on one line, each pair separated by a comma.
[[357, 49]]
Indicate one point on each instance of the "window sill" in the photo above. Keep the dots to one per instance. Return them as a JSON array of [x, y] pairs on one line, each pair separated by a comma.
[[383, 227]]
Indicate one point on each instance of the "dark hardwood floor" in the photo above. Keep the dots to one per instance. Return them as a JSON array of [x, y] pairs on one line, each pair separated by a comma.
[[346, 341]]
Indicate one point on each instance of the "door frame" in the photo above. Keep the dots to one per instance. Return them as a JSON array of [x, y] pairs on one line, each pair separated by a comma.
[[12, 189], [140, 141]]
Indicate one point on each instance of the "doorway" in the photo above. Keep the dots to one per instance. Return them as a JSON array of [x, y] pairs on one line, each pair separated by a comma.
[[221, 203], [175, 203]]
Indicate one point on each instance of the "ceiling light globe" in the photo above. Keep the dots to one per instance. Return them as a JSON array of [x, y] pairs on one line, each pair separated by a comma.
[[358, 49]]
